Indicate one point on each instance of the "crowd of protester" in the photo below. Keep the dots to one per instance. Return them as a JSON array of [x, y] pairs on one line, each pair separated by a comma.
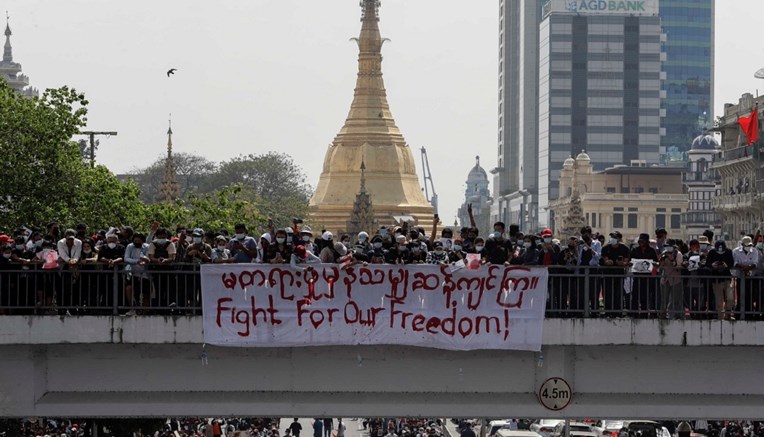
[[590, 272]]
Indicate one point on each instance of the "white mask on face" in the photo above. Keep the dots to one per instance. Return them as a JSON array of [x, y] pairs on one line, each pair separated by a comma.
[[362, 238], [457, 247], [197, 240], [87, 251], [548, 240], [703, 246], [111, 245], [527, 244], [239, 236], [7, 255], [383, 233], [280, 240], [759, 245], [377, 245], [478, 248], [221, 248], [612, 241], [306, 238], [160, 240]]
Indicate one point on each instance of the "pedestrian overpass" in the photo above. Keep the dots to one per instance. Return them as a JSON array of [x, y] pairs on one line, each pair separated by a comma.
[[157, 366]]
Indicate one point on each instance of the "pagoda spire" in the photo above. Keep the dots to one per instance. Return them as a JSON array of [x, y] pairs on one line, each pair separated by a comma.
[[362, 216], [169, 190], [7, 50]]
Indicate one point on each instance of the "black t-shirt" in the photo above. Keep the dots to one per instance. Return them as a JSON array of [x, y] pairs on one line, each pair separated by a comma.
[[295, 428], [106, 253], [649, 253], [612, 253], [497, 252]]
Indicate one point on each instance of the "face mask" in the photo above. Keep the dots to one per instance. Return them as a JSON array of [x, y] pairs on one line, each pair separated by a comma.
[[87, 251], [383, 233], [612, 241], [221, 248], [703, 246], [111, 245], [280, 240], [547, 240], [39, 243], [347, 244], [498, 235], [197, 240], [19, 247], [720, 250], [478, 248], [7, 255], [438, 252], [416, 250], [306, 238], [239, 236], [362, 238], [378, 245], [759, 246], [527, 244], [402, 248], [160, 240], [457, 247]]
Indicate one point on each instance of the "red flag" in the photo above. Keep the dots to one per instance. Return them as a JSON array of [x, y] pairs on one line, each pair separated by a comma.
[[750, 126]]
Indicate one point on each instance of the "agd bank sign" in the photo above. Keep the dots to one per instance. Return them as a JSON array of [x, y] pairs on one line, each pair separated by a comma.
[[615, 7]]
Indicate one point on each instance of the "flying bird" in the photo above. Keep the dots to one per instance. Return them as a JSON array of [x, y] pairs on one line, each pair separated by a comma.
[[171, 71]]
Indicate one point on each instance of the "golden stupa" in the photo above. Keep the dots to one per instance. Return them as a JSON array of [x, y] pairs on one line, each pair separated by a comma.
[[370, 135]]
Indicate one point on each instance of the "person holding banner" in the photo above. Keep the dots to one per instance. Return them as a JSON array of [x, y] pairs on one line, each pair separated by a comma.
[[300, 259], [643, 258]]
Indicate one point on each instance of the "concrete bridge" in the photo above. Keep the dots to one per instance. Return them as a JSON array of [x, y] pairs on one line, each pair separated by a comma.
[[156, 366]]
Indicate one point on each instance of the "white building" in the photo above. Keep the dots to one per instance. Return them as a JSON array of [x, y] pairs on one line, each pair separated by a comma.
[[11, 71], [700, 182]]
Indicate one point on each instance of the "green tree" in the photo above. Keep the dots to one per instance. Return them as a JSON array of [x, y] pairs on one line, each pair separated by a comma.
[[192, 172], [47, 178], [40, 182], [278, 186]]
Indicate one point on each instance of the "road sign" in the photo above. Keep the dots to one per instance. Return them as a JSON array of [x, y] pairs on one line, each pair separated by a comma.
[[555, 394]]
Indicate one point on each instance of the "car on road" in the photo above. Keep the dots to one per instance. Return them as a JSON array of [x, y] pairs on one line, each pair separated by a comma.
[[630, 428], [504, 432], [544, 426], [576, 429]]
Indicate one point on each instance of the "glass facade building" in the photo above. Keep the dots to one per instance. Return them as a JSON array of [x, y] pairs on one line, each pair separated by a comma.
[[599, 91], [689, 69]]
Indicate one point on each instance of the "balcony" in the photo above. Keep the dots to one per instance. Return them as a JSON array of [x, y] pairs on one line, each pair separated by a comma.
[[729, 156], [701, 218], [698, 176], [738, 201]]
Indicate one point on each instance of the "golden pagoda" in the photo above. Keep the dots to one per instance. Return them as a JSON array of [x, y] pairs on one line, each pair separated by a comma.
[[370, 135]]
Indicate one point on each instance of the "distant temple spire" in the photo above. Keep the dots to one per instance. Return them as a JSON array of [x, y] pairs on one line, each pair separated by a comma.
[[11, 71], [7, 50], [169, 191], [362, 215]]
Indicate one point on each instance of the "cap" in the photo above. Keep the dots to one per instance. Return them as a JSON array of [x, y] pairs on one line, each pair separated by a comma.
[[644, 237], [198, 232], [401, 239], [546, 232], [746, 241], [326, 236], [306, 230], [661, 231], [341, 249], [703, 239], [615, 234], [300, 251], [438, 244], [289, 230]]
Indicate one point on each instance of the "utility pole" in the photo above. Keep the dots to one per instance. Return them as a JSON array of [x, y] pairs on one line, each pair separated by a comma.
[[92, 135]]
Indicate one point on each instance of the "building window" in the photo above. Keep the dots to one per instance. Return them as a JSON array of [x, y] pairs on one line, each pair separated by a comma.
[[632, 221], [610, 189], [661, 221], [618, 221], [639, 189], [653, 190], [675, 221]]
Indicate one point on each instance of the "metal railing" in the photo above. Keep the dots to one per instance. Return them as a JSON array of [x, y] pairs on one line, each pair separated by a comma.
[[572, 293]]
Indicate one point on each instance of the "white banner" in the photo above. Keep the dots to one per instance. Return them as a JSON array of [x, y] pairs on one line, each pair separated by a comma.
[[260, 305]]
